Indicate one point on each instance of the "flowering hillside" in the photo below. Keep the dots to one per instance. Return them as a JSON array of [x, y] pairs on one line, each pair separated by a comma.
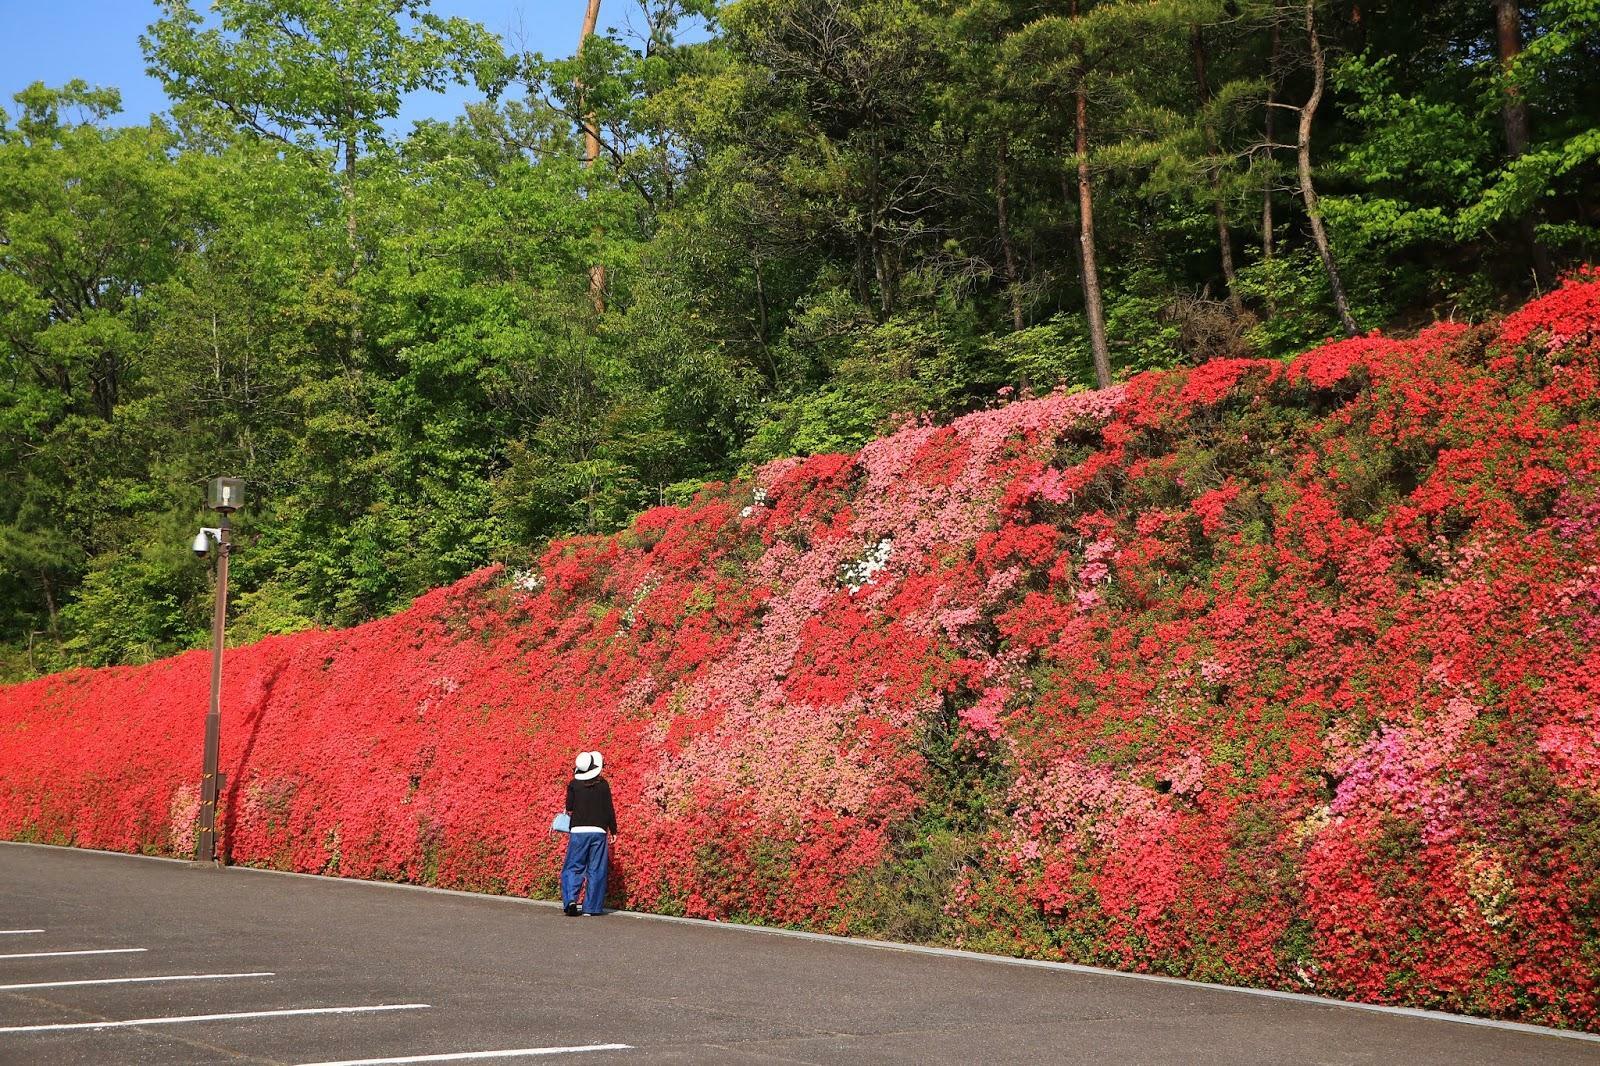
[[1272, 673]]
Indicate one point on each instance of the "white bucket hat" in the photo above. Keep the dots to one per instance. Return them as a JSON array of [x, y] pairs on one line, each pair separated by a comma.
[[587, 766]]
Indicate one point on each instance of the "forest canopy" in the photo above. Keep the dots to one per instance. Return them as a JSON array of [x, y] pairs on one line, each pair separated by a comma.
[[716, 234]]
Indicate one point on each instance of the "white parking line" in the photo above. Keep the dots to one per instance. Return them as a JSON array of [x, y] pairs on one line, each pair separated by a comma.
[[209, 1018], [460, 1056], [18, 932], [58, 954], [134, 980]]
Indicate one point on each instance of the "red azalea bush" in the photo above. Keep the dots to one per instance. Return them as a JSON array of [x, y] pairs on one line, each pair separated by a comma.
[[1273, 673]]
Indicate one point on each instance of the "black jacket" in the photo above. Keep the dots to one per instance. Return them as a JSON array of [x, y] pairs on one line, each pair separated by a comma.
[[589, 803]]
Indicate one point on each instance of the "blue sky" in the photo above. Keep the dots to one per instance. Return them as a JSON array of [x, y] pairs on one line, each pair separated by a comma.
[[98, 40]]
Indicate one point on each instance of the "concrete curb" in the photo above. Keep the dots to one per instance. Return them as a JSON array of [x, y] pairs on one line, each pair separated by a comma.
[[880, 945]]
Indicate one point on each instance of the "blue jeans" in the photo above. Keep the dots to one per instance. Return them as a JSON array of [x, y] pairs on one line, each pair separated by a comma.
[[588, 858]]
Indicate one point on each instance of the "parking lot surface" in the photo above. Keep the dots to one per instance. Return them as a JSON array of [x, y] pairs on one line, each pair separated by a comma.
[[118, 959]]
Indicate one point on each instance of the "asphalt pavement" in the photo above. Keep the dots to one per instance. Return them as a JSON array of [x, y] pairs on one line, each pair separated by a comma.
[[118, 959]]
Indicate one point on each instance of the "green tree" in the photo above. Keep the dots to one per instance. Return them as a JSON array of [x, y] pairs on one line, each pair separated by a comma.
[[1085, 59], [815, 218], [91, 219], [316, 72], [1457, 156]]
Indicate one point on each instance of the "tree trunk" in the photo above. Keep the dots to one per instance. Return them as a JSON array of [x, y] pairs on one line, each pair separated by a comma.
[[862, 274], [1197, 48], [349, 133], [762, 322], [1514, 114], [1013, 274], [1308, 191], [350, 231], [1514, 111], [885, 252], [1092, 300], [1270, 129], [352, 238], [591, 139], [591, 151], [49, 602], [887, 274]]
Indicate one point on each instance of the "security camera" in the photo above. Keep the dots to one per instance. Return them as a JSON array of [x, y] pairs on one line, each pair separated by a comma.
[[202, 544]]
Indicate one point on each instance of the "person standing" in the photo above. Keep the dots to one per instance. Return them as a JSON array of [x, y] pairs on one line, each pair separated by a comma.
[[594, 823]]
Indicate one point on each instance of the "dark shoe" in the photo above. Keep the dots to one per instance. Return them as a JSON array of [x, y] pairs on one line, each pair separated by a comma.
[[572, 910]]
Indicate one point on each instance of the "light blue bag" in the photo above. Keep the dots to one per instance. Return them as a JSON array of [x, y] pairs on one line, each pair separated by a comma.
[[561, 823]]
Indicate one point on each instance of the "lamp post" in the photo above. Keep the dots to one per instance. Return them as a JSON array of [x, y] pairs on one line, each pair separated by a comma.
[[224, 495]]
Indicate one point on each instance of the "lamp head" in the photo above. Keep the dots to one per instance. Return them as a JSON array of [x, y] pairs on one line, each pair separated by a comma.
[[225, 494]]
